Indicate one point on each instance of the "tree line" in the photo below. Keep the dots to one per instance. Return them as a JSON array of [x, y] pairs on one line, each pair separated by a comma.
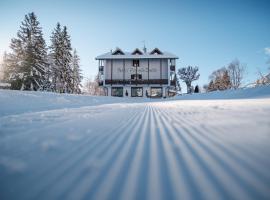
[[32, 65], [229, 77]]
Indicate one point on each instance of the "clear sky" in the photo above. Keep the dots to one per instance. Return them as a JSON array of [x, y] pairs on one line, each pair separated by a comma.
[[207, 34]]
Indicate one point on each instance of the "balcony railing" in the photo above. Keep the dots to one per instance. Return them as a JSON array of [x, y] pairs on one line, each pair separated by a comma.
[[136, 82]]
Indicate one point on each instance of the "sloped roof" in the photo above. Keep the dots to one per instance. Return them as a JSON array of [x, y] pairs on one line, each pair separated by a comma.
[[118, 51], [156, 51], [130, 55], [137, 51]]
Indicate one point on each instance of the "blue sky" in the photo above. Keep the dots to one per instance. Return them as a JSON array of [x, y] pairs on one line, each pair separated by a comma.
[[207, 34]]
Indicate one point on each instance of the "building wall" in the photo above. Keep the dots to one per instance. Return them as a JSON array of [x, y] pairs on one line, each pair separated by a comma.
[[154, 69]]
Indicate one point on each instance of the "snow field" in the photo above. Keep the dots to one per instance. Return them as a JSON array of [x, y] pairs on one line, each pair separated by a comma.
[[135, 149]]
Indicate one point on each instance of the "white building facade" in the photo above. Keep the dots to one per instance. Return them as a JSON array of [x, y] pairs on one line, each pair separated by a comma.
[[137, 73]]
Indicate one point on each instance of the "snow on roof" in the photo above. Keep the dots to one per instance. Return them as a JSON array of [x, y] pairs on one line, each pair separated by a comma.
[[137, 51], [131, 55], [156, 51], [118, 51]]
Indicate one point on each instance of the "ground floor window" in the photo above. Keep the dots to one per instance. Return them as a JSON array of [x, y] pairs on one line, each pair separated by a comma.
[[156, 92], [117, 91], [136, 91]]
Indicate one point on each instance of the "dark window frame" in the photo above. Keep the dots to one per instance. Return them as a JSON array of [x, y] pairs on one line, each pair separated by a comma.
[[156, 88], [136, 63], [117, 88], [136, 88]]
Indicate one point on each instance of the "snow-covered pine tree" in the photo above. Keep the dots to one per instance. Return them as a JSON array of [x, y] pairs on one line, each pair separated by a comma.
[[55, 58], [6, 68], [12, 64], [67, 58], [77, 77], [29, 49], [60, 56]]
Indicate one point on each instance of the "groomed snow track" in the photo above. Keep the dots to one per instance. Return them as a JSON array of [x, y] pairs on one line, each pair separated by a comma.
[[160, 150]]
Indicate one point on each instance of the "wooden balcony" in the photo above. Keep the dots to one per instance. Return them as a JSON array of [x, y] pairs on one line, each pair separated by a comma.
[[137, 82]]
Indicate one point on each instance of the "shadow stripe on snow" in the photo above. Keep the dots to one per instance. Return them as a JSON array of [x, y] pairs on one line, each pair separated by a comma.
[[101, 178], [243, 187], [59, 173], [189, 162]]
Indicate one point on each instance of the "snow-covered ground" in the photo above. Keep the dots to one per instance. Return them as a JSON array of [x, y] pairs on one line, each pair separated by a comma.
[[81, 147]]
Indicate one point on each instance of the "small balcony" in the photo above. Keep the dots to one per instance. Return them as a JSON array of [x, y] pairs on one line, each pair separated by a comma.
[[172, 68], [101, 68]]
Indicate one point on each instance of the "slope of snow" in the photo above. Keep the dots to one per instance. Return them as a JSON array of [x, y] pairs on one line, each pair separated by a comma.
[[82, 147], [244, 93], [16, 102]]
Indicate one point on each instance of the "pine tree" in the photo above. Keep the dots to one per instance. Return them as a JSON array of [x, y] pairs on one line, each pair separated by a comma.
[[77, 77], [6, 68], [67, 58], [61, 58], [29, 54], [196, 90], [55, 58], [12, 64]]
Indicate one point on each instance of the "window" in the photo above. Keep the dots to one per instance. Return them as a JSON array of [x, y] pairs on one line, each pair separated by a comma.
[[156, 92], [117, 91], [139, 76], [136, 91], [135, 63]]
